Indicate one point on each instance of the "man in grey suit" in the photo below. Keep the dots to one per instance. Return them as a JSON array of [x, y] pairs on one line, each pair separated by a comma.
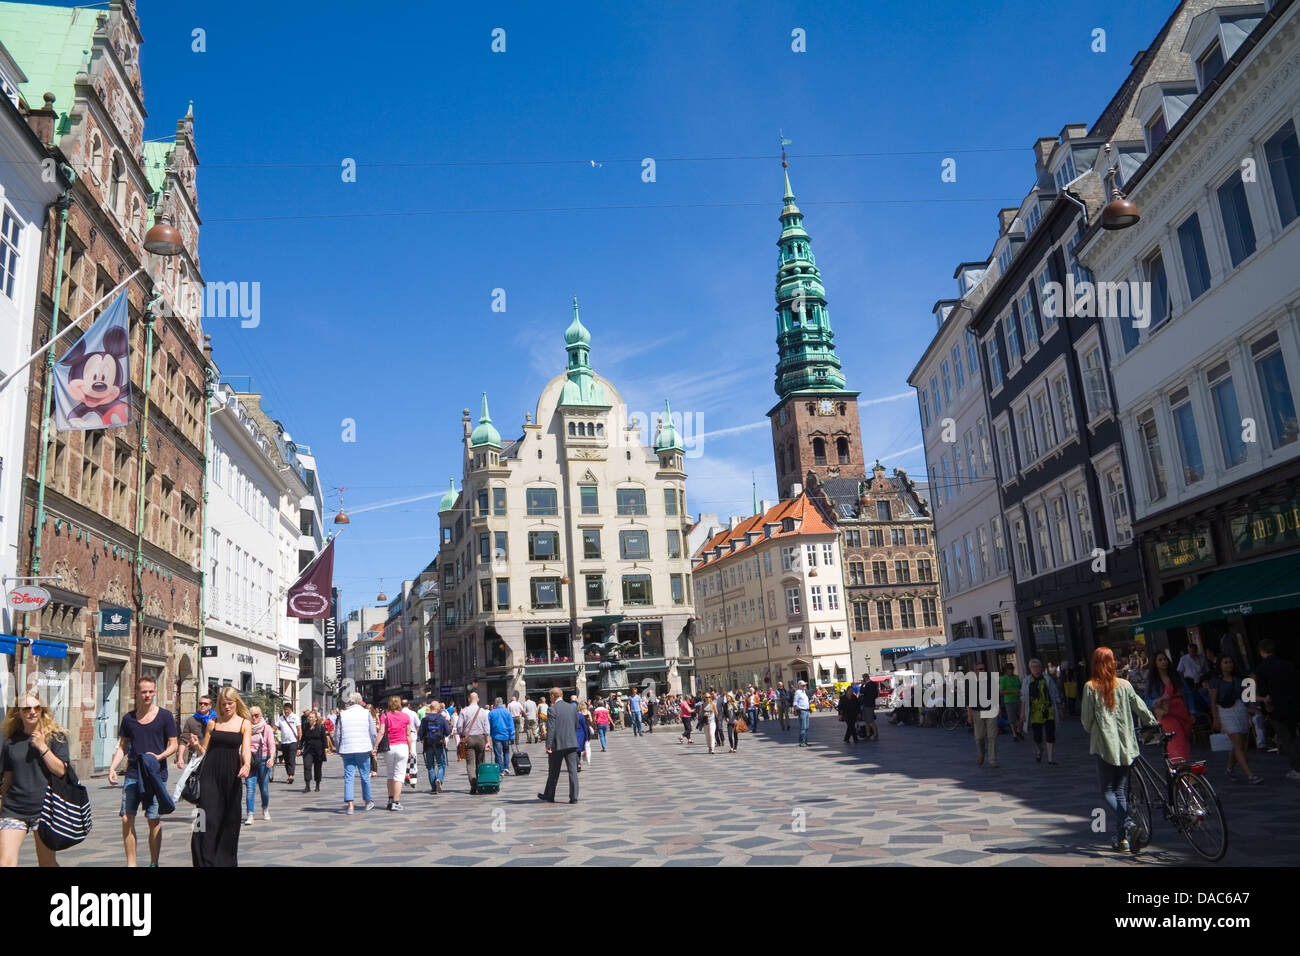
[[561, 746]]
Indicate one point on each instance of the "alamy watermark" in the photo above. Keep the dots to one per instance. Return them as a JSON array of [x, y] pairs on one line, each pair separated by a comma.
[[975, 689]]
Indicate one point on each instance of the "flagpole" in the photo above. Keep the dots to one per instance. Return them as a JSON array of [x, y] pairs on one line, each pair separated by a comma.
[[72, 327]]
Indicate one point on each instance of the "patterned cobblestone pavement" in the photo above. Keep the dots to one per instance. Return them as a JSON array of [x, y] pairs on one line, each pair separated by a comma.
[[915, 797]]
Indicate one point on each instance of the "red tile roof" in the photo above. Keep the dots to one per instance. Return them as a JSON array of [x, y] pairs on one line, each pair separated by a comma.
[[808, 520]]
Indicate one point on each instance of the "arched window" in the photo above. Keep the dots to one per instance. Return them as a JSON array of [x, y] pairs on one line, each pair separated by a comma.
[[791, 457], [780, 461], [819, 451], [600, 430], [136, 222], [842, 450], [117, 187], [573, 429]]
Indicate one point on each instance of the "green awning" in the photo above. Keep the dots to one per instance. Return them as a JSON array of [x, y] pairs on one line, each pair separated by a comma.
[[1257, 588]]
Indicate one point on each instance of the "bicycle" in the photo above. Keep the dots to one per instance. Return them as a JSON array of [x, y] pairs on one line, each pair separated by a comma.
[[1186, 798], [953, 717]]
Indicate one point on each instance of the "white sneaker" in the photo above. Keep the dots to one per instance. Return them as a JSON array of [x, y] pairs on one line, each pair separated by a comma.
[[1293, 774], [266, 814], [248, 820]]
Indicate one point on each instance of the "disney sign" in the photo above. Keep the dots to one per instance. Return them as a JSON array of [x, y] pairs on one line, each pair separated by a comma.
[[27, 598]]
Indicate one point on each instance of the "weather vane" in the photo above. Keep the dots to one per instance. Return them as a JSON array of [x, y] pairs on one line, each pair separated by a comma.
[[784, 143]]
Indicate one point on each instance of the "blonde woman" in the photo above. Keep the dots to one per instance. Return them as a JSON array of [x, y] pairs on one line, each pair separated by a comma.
[[35, 748], [227, 749], [395, 727], [711, 715]]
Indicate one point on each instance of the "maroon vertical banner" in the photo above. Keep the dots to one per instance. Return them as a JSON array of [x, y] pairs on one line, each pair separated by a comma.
[[310, 595]]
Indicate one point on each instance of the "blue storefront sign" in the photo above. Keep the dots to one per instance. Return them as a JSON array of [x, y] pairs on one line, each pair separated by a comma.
[[49, 649], [115, 621], [8, 644]]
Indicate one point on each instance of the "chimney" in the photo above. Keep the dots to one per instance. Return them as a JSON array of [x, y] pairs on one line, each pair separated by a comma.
[[734, 522], [1006, 217]]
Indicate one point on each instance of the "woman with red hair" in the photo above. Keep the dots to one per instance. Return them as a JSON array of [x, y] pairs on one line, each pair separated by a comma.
[[1109, 705]]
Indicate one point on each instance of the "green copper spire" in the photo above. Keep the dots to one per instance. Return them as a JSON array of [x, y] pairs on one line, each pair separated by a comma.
[[804, 338], [582, 387], [449, 499], [752, 477], [485, 435], [667, 439]]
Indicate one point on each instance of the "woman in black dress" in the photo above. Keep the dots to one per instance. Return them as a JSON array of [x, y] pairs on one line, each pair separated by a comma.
[[311, 744], [227, 752]]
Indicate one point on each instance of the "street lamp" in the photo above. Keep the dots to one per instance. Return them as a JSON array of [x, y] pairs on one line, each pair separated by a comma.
[[342, 516], [1120, 212]]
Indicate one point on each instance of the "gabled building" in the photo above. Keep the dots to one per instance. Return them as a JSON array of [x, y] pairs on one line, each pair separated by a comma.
[[771, 601], [122, 533]]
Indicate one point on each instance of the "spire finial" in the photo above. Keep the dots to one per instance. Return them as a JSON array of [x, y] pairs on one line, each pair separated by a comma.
[[484, 417], [575, 308], [754, 479]]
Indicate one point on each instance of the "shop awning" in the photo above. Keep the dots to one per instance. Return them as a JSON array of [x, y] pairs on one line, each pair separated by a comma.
[[8, 644], [1257, 588], [49, 649]]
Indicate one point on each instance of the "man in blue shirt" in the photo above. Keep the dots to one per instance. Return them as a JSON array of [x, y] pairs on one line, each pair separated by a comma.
[[502, 723], [634, 708]]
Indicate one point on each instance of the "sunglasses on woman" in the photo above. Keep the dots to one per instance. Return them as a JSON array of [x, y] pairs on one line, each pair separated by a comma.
[[31, 710]]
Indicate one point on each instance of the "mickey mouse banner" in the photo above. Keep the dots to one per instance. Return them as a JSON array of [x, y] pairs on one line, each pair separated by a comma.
[[92, 381]]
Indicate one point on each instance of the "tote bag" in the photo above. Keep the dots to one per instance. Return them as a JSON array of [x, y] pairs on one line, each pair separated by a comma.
[[65, 816]]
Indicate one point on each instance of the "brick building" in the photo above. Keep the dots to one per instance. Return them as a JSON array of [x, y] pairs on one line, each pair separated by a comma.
[[85, 487]]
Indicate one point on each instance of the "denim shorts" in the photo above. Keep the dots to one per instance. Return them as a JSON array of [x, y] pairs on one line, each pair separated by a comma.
[[18, 823], [131, 800]]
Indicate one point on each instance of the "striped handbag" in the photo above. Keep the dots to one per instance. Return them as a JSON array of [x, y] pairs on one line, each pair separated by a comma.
[[65, 817]]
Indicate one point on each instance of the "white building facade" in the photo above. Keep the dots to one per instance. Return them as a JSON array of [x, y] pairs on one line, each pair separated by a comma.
[[575, 520], [975, 570], [24, 199], [1207, 387], [245, 613]]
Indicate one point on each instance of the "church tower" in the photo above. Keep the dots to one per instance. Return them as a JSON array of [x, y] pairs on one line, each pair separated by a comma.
[[815, 426]]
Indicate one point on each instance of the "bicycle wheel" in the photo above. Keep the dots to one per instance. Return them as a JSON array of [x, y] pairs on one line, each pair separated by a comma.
[[1199, 815], [949, 719], [1139, 808]]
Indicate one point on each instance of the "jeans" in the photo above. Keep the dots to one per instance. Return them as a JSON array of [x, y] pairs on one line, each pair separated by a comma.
[[601, 729], [636, 724], [260, 780], [686, 727], [1114, 789], [804, 717], [753, 717], [501, 750], [435, 762], [732, 736], [354, 765]]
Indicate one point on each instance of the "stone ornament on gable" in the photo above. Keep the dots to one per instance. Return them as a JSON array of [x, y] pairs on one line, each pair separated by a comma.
[[115, 595], [71, 579], [153, 605]]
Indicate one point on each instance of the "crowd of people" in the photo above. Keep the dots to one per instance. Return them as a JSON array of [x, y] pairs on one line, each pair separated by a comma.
[[226, 754]]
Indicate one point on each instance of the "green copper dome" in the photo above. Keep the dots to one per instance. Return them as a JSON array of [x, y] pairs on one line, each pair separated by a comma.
[[449, 499], [582, 387], [485, 435], [667, 439], [804, 338], [576, 333]]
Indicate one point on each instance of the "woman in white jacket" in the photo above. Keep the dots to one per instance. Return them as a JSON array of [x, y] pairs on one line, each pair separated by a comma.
[[357, 742]]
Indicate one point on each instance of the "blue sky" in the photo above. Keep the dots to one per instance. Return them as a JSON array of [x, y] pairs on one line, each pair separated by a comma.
[[376, 295]]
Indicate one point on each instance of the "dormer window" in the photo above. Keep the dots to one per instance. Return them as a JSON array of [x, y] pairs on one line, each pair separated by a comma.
[[1209, 64], [1155, 130]]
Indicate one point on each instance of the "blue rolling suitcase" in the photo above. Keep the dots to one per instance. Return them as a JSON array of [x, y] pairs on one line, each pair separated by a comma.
[[489, 778]]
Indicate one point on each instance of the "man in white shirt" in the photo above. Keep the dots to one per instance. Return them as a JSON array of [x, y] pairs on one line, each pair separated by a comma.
[[801, 705], [517, 712], [530, 720], [287, 724]]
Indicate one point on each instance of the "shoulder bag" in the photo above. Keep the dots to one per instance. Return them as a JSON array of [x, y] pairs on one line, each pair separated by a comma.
[[190, 787], [65, 816]]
